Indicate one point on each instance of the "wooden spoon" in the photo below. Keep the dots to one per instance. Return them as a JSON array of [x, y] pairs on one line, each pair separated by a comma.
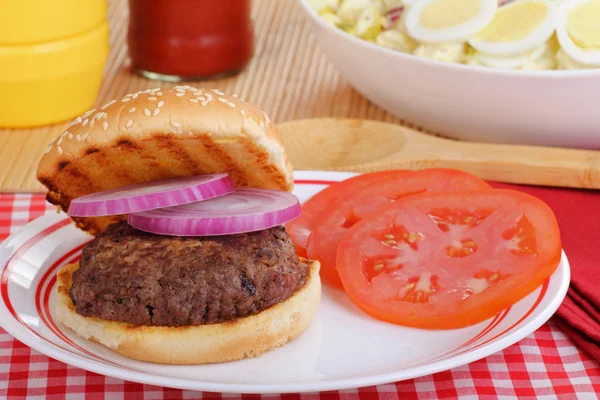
[[367, 146]]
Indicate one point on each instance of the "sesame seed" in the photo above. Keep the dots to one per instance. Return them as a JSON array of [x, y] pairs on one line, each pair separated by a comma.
[[267, 118], [160, 104], [180, 94], [78, 137], [70, 136], [59, 141], [88, 113], [105, 125], [48, 149], [134, 95], [209, 97], [60, 150], [85, 121], [180, 90], [152, 98], [108, 104], [147, 112], [204, 103], [193, 100], [175, 124], [230, 104], [104, 115], [234, 95], [218, 92], [243, 112], [201, 98], [129, 123], [125, 99], [222, 100], [132, 109], [262, 125], [84, 137], [156, 111], [78, 120], [159, 94]]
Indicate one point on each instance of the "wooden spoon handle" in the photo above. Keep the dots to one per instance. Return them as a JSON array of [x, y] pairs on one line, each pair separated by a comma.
[[545, 166]]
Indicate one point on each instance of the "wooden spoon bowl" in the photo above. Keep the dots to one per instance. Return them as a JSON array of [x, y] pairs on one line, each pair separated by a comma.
[[367, 146]]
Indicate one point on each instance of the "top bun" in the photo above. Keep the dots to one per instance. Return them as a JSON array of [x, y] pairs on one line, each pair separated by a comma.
[[158, 134]]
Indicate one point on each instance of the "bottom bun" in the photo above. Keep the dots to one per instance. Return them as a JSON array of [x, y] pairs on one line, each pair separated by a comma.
[[201, 344]]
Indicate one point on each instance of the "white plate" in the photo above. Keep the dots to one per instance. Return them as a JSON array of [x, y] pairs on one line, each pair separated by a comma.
[[343, 347]]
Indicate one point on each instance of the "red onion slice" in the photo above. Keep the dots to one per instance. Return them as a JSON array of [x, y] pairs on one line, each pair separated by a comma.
[[152, 195], [245, 210]]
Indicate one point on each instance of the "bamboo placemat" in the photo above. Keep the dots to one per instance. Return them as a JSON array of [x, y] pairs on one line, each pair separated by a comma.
[[288, 77]]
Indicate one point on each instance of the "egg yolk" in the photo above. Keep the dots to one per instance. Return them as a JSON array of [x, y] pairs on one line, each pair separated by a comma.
[[442, 14], [583, 25], [515, 22]]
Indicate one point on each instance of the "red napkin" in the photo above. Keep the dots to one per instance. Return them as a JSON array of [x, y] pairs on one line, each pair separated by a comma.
[[578, 214]]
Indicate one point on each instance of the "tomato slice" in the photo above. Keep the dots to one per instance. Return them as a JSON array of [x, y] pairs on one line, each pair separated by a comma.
[[340, 216], [300, 228], [449, 260]]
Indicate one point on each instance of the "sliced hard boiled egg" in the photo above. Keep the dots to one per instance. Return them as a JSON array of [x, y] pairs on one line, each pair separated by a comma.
[[542, 58], [578, 30], [437, 21], [517, 28]]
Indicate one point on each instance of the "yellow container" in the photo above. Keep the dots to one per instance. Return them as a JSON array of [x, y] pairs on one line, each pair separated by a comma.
[[38, 21], [51, 82]]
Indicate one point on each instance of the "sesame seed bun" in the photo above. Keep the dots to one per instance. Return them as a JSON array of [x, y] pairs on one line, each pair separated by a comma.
[[201, 344], [159, 134]]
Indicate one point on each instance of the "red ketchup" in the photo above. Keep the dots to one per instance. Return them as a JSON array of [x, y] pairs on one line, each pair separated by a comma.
[[189, 39]]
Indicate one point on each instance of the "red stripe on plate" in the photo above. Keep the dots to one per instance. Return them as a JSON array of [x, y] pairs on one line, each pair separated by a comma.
[[47, 317], [5, 277], [531, 310], [7, 269], [510, 328]]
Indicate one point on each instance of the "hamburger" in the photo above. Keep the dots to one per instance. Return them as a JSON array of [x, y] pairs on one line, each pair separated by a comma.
[[178, 299]]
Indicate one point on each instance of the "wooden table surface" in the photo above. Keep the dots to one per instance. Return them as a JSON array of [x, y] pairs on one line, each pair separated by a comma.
[[289, 78]]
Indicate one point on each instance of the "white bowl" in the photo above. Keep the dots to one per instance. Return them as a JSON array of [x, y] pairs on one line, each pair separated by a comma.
[[552, 108]]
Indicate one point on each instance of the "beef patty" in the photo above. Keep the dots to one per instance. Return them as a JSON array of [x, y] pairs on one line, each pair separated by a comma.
[[132, 276]]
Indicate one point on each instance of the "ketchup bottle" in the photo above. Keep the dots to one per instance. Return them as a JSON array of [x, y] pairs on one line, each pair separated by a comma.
[[178, 40]]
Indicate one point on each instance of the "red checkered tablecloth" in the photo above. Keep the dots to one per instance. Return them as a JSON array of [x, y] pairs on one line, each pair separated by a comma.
[[544, 365]]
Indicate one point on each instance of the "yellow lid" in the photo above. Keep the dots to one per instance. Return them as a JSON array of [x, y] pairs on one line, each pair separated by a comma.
[[44, 61], [38, 21], [51, 82]]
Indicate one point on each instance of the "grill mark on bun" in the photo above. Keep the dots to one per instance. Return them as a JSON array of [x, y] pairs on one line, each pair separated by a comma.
[[179, 150], [224, 158], [126, 143]]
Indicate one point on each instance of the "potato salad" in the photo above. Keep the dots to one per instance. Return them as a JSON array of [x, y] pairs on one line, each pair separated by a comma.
[[506, 34]]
